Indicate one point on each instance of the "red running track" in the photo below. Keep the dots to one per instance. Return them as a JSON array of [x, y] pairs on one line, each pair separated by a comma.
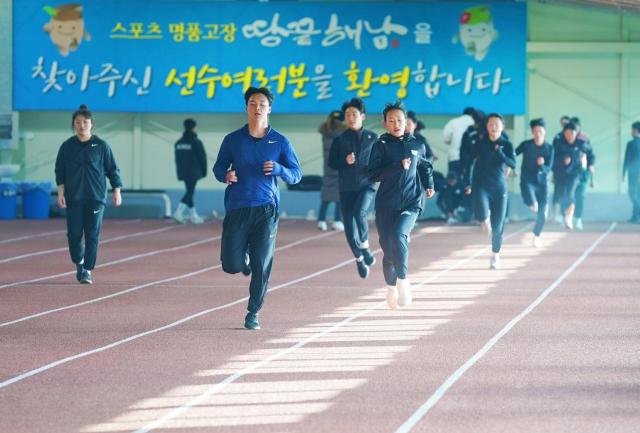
[[547, 343]]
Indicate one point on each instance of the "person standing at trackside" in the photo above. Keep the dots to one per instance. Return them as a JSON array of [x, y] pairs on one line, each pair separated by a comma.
[[332, 127], [349, 155], [572, 155], [631, 166], [249, 161], [537, 160], [191, 166], [493, 156], [400, 163], [452, 135], [83, 162]]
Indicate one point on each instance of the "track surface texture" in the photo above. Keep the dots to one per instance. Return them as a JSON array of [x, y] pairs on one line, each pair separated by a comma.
[[548, 343]]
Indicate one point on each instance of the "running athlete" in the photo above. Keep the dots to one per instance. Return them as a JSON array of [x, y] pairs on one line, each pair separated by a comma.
[[349, 155], [249, 161], [399, 162], [537, 160], [493, 156]]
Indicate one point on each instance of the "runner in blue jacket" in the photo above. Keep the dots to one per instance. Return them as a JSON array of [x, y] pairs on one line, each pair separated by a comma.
[[249, 162]]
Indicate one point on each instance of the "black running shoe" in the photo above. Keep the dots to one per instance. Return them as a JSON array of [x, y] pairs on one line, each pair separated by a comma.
[[363, 269], [79, 271], [251, 321], [86, 277], [369, 258]]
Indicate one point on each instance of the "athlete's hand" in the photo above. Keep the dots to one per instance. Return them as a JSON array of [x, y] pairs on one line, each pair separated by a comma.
[[467, 190], [116, 197], [62, 202], [271, 168], [540, 160], [429, 192], [351, 158], [406, 163], [231, 177], [567, 160]]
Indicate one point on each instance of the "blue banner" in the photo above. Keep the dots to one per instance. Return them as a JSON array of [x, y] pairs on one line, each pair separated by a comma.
[[182, 56]]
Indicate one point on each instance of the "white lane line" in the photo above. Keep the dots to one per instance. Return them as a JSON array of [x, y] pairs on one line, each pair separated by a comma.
[[71, 358], [232, 378], [57, 232], [106, 241], [39, 235], [153, 283], [114, 262], [68, 359], [451, 380]]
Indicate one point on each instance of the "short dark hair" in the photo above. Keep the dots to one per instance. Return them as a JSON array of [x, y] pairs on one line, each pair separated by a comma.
[[83, 111], [412, 115], [469, 111], [356, 103], [575, 121], [262, 90], [572, 126], [636, 126], [498, 115], [189, 124], [479, 116], [537, 122], [565, 117], [389, 106]]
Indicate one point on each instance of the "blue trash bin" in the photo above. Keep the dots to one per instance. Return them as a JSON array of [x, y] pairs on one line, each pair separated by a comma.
[[35, 200], [8, 202]]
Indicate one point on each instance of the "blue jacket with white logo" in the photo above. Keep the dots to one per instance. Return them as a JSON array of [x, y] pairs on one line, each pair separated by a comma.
[[246, 155]]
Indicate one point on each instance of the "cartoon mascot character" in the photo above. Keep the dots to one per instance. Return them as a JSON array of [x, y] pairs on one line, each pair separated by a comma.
[[66, 27]]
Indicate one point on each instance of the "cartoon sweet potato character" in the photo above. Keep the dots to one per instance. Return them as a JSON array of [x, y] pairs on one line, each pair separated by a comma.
[[66, 27]]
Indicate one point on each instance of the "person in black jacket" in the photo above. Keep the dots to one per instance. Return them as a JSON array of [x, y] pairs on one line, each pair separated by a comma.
[[571, 155], [631, 165], [493, 155], [191, 166], [349, 155], [399, 162], [537, 160], [82, 164]]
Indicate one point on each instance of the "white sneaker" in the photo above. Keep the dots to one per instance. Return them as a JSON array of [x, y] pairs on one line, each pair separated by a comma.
[[392, 297], [179, 213], [195, 218], [451, 221], [568, 223], [322, 226], [578, 224], [337, 226], [495, 261], [404, 292], [537, 242]]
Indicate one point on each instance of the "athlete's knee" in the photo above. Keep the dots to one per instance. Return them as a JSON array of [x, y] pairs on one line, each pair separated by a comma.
[[231, 266]]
